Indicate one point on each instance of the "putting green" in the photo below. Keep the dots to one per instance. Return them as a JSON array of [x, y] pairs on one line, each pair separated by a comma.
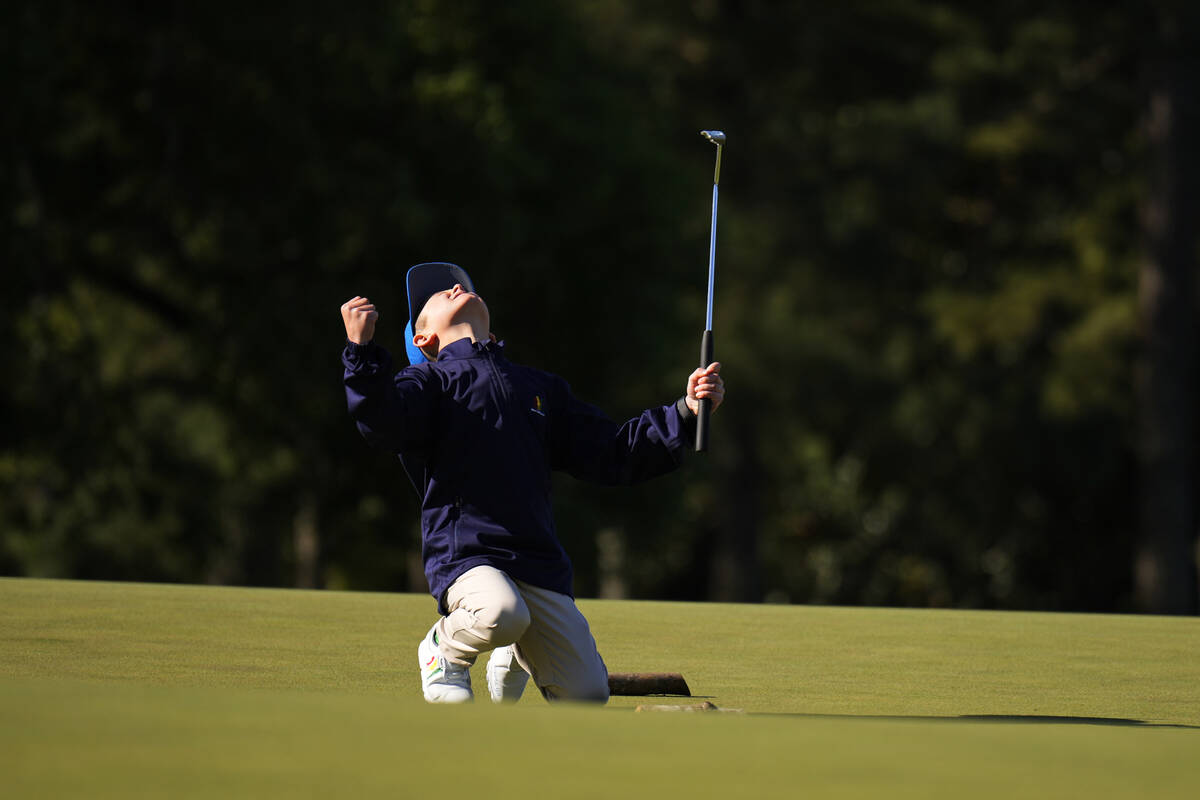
[[154, 690]]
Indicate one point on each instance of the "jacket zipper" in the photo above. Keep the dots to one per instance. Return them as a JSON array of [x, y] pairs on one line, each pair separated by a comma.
[[497, 380], [457, 518]]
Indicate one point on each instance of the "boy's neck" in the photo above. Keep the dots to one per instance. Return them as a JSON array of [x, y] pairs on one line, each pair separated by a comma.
[[462, 330]]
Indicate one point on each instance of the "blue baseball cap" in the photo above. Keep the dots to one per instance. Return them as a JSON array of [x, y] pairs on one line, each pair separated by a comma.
[[424, 281]]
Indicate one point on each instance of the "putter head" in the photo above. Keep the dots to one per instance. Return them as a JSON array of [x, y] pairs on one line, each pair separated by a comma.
[[716, 137]]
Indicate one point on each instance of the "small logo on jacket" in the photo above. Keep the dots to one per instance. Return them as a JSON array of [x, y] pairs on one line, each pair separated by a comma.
[[537, 406]]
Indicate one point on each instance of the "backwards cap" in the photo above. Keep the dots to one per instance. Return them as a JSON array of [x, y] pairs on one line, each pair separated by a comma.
[[424, 281]]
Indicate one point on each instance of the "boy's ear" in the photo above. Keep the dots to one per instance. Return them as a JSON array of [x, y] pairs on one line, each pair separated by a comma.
[[426, 340]]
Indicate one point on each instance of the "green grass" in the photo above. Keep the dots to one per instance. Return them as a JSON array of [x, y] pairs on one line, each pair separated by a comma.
[[120, 690]]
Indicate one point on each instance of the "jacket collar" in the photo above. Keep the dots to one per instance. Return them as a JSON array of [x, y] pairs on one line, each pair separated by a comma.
[[465, 348]]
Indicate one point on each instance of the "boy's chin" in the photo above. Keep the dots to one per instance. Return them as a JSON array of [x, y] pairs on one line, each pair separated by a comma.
[[474, 315]]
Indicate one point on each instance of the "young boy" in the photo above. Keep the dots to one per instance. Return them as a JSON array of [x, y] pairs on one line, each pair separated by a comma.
[[479, 436]]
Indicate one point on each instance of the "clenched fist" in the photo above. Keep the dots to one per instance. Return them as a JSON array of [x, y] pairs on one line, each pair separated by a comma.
[[359, 315]]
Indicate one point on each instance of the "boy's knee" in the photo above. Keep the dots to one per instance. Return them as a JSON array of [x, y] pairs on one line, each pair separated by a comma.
[[504, 623], [577, 693], [581, 688], [595, 691]]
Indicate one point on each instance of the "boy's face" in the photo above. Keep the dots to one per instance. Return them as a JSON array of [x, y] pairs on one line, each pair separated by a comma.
[[454, 306]]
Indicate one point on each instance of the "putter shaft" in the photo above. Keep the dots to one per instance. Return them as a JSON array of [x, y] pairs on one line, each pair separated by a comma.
[[706, 343]]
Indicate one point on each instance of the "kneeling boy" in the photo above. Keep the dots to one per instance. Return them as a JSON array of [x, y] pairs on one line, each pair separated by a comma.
[[479, 437]]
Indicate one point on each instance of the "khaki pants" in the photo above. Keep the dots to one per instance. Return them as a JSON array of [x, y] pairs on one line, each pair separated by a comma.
[[488, 609]]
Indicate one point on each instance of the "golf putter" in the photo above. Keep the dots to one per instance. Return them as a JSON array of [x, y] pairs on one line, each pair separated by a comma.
[[706, 342]]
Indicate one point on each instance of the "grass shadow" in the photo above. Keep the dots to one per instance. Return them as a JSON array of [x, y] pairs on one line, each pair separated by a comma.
[[1026, 719], [1047, 719]]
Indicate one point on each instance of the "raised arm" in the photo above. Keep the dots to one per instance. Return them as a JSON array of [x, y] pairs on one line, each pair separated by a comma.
[[392, 412], [590, 446]]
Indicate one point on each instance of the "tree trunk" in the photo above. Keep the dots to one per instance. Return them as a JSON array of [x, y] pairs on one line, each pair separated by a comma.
[[1165, 569], [735, 574], [611, 566], [306, 544]]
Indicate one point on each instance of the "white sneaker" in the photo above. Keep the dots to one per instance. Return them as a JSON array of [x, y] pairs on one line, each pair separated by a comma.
[[441, 681], [506, 678]]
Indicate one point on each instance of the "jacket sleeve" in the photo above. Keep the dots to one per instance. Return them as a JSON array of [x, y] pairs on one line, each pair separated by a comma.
[[590, 446], [392, 412]]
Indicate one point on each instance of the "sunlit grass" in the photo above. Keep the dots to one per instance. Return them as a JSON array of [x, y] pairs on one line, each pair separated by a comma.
[[151, 690]]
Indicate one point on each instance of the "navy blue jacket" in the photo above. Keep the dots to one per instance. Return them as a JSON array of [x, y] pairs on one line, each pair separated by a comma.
[[480, 435]]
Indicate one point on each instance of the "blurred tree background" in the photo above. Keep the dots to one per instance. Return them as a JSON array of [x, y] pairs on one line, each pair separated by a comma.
[[956, 285]]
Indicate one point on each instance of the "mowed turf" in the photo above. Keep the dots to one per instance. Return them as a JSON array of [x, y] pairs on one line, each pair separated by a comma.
[[126, 690]]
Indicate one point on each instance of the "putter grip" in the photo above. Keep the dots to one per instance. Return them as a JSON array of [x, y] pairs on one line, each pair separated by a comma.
[[706, 358]]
